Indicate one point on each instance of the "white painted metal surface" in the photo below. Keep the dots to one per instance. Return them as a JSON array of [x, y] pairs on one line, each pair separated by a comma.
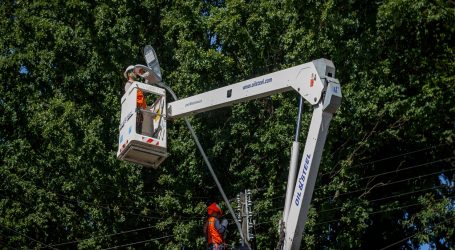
[[309, 166], [291, 178], [306, 178], [303, 78]]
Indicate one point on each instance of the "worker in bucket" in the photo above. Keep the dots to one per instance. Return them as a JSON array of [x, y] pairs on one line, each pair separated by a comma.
[[140, 101], [213, 229], [132, 77]]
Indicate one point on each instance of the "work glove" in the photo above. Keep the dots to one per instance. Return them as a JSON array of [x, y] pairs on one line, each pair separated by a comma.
[[224, 223]]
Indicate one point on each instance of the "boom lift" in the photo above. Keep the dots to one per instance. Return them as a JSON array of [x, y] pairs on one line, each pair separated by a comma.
[[315, 82]]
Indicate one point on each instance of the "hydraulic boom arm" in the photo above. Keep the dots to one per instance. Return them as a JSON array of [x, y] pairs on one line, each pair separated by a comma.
[[315, 82], [307, 79]]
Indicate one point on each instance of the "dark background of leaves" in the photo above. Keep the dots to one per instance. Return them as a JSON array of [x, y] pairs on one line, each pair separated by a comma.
[[387, 169]]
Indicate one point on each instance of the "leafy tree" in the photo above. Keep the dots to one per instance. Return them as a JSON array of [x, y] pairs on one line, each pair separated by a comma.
[[386, 177]]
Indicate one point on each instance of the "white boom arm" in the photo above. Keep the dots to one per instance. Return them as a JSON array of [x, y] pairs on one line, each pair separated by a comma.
[[315, 82], [302, 78]]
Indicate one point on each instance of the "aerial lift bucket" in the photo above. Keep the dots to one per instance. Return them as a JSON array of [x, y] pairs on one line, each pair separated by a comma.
[[143, 133]]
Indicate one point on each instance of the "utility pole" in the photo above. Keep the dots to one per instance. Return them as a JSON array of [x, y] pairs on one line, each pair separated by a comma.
[[245, 215]]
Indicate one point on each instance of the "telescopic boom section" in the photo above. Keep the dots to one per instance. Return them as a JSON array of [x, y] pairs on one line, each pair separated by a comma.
[[304, 78], [315, 82]]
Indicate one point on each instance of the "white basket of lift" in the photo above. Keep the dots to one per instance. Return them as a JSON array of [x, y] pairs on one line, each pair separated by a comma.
[[143, 134]]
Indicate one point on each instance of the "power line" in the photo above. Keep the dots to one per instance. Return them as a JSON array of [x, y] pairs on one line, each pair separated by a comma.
[[274, 209], [109, 235], [388, 158], [72, 201], [383, 198], [139, 242], [66, 197], [403, 169], [270, 210], [101, 236], [186, 219], [382, 211], [28, 237], [379, 160], [400, 155], [390, 183], [78, 201], [371, 162], [2, 241], [265, 222], [398, 170], [385, 210], [196, 198], [412, 236], [120, 233], [102, 206], [387, 172], [386, 198], [364, 189], [105, 207]]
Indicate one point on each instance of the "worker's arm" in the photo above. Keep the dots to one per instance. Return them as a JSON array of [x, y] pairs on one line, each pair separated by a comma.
[[221, 227]]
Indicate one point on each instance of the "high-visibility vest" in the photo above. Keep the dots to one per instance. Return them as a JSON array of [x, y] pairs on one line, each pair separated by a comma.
[[213, 236], [141, 100]]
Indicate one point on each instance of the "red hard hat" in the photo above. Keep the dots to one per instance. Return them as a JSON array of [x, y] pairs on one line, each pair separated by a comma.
[[214, 208]]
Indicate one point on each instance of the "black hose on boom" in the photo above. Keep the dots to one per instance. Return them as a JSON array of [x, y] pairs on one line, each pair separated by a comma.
[[209, 165]]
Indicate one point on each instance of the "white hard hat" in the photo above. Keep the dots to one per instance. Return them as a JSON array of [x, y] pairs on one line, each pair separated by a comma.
[[125, 74]]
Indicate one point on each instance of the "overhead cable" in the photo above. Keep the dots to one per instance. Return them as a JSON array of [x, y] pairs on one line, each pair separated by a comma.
[[139, 242], [388, 158], [28, 237], [385, 198], [381, 184], [385, 210], [102, 236], [414, 235]]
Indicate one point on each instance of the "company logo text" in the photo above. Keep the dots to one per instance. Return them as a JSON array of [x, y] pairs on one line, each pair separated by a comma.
[[302, 179], [257, 83]]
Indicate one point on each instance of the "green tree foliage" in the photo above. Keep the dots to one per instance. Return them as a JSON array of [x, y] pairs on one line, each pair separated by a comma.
[[386, 177]]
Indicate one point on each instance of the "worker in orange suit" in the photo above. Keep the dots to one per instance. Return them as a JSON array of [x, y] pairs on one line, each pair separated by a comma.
[[132, 77], [213, 229], [140, 100]]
